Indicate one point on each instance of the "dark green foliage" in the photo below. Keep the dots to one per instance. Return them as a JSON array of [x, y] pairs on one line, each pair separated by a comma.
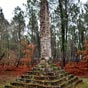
[[33, 29]]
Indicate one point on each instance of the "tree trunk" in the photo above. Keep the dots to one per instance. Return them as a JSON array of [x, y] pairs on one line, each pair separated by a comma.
[[63, 34], [45, 36]]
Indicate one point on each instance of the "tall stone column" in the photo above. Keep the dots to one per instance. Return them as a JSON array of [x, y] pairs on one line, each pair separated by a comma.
[[45, 36]]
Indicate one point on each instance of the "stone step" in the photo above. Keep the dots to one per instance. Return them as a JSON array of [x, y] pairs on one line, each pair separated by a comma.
[[42, 82], [37, 84], [36, 72], [33, 73], [73, 84], [67, 82], [69, 76], [45, 76], [11, 86], [27, 76], [41, 73], [73, 79], [40, 79], [77, 82], [25, 85], [21, 82]]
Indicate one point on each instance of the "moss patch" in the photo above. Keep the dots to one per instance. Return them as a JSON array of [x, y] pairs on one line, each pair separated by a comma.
[[84, 84]]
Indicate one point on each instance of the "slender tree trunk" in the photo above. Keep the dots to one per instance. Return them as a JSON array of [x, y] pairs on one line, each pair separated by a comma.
[[45, 36], [81, 34], [66, 26], [66, 19], [63, 33], [19, 47]]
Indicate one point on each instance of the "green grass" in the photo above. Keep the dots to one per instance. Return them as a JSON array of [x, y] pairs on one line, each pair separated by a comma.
[[84, 84], [6, 83]]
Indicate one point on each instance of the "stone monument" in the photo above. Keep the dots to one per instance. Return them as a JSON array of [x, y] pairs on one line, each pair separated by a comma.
[[45, 35]]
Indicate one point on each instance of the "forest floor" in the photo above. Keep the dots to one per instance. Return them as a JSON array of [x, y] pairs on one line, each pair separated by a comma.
[[9, 74], [84, 84]]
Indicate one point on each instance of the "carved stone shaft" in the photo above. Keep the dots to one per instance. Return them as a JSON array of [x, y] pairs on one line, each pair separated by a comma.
[[45, 36]]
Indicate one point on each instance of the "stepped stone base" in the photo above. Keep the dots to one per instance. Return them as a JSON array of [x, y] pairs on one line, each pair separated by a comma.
[[45, 76]]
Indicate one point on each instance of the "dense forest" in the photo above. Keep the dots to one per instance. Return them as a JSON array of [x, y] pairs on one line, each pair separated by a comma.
[[55, 30], [68, 26]]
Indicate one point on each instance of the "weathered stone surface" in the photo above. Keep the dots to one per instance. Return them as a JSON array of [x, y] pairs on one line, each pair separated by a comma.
[[45, 36]]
